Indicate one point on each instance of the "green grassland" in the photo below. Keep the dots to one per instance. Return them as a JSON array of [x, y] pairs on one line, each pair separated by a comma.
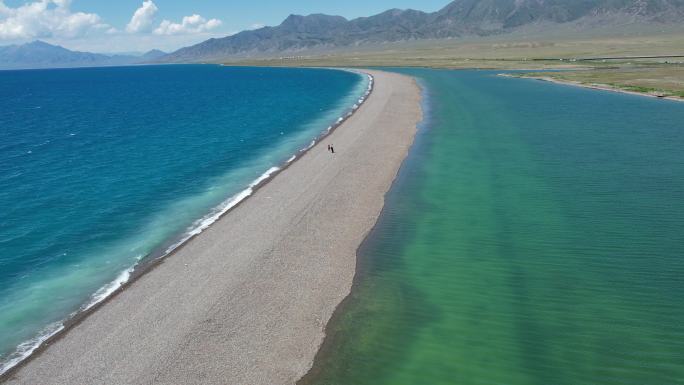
[[650, 78]]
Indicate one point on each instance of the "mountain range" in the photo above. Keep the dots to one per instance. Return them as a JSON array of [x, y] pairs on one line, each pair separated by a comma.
[[39, 54], [459, 18], [299, 34]]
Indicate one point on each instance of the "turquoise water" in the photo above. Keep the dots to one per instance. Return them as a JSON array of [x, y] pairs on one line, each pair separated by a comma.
[[99, 167], [533, 236]]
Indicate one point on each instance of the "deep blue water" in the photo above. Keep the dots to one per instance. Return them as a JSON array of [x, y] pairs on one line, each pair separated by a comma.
[[99, 167]]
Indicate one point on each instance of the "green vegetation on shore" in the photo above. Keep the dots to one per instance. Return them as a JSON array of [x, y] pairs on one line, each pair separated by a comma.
[[663, 80]]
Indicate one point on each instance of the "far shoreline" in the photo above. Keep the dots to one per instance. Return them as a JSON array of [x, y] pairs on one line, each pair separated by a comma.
[[598, 87]]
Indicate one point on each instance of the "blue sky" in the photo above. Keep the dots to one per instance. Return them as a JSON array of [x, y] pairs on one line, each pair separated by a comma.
[[140, 25]]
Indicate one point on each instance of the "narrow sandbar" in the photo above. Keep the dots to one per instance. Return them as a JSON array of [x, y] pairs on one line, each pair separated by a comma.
[[247, 301]]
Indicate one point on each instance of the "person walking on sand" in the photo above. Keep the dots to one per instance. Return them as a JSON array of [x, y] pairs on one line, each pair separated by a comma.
[[328, 148], [332, 149]]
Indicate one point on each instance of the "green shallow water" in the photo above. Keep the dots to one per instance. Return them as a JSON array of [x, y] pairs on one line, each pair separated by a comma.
[[535, 235]]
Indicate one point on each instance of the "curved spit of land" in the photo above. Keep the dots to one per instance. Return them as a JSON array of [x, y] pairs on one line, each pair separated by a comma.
[[247, 301]]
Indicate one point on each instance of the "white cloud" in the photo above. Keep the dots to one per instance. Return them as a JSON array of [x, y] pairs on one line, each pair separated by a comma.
[[56, 22], [257, 26], [142, 19], [190, 25], [46, 19]]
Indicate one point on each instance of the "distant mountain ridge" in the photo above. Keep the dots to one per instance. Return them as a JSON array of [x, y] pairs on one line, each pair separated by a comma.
[[39, 54], [459, 18], [151, 55]]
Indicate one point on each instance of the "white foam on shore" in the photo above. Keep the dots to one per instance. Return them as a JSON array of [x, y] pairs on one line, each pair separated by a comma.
[[108, 289], [26, 349], [264, 176], [204, 223], [310, 146]]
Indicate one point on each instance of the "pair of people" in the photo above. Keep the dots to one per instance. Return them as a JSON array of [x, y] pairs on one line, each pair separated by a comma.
[[331, 148]]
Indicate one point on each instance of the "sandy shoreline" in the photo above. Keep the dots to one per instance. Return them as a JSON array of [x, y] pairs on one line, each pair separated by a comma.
[[593, 86], [247, 301]]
